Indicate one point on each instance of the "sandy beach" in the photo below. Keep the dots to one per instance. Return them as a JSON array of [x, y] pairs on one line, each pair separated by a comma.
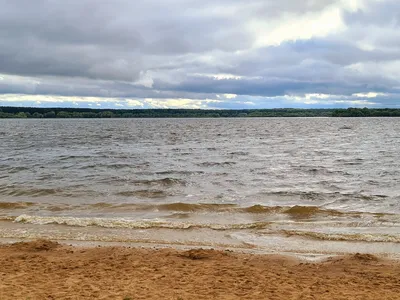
[[48, 270]]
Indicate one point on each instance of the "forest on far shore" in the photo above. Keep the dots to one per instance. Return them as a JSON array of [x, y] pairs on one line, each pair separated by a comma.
[[39, 112]]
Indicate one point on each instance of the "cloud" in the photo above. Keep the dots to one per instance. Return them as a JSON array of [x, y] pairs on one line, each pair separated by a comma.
[[179, 53], [292, 28], [214, 102], [369, 95], [133, 103]]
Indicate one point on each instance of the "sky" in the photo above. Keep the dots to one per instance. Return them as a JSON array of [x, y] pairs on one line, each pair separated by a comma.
[[208, 54]]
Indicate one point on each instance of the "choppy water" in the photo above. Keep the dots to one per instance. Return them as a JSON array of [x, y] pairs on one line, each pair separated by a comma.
[[284, 184]]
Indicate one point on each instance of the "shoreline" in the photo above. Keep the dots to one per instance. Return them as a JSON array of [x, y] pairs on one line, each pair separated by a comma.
[[48, 270], [300, 256], [246, 241]]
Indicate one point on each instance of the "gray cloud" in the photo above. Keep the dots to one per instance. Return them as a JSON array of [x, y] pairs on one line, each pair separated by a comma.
[[198, 49]]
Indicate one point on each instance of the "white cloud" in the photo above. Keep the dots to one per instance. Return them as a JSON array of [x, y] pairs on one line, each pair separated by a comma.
[[180, 103], [294, 27], [230, 96], [118, 102], [318, 96], [40, 99], [353, 5], [370, 95], [133, 103], [239, 101], [218, 76], [356, 102], [35, 98]]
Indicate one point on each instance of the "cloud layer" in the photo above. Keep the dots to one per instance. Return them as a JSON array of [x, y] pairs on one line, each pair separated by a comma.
[[200, 54]]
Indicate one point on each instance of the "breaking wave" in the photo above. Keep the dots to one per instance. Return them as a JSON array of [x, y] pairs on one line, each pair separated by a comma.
[[179, 225], [295, 211], [133, 224], [350, 237], [188, 207]]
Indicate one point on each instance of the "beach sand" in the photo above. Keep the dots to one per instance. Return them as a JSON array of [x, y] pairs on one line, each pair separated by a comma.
[[48, 270]]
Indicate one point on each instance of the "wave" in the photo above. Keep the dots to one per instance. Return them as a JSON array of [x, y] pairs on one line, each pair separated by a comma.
[[17, 169], [306, 211], [184, 207], [239, 153], [177, 225], [305, 195], [215, 164], [292, 212], [102, 205], [189, 207], [255, 209], [338, 196], [75, 157], [108, 166], [260, 209], [33, 192], [143, 194], [67, 192], [170, 172], [132, 224], [319, 170], [7, 218], [296, 212], [350, 237], [15, 205], [216, 207], [164, 182]]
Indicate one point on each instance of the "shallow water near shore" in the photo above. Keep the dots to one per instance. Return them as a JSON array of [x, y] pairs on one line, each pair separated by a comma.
[[304, 185]]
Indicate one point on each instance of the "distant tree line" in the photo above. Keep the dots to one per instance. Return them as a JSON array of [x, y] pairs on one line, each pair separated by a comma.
[[366, 112], [51, 113]]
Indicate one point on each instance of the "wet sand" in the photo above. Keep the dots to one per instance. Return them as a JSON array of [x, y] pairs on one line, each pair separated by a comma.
[[47, 270]]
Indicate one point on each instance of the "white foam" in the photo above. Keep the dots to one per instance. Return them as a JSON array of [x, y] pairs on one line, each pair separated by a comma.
[[125, 223]]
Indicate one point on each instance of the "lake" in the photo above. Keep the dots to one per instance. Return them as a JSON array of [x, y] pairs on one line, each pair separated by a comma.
[[309, 186]]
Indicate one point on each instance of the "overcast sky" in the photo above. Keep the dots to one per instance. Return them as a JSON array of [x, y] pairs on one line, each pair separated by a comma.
[[200, 54]]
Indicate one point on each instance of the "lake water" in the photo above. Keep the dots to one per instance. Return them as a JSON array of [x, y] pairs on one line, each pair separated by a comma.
[[295, 185]]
